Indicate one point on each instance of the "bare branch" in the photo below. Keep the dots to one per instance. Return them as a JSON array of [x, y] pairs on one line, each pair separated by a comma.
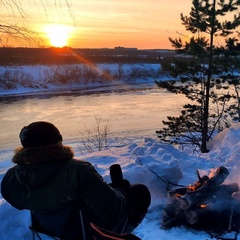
[[18, 29]]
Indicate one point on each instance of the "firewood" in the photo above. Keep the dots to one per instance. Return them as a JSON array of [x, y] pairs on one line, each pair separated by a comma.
[[176, 193], [236, 196], [169, 222], [192, 198], [193, 217], [207, 204], [207, 217], [226, 190], [172, 209]]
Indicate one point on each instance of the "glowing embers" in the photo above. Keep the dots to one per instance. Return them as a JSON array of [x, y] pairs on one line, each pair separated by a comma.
[[208, 204]]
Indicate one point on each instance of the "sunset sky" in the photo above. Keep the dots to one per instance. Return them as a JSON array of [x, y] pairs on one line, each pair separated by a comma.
[[105, 23]]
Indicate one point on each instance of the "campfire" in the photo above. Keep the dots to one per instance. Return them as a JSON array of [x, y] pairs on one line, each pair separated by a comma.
[[208, 204]]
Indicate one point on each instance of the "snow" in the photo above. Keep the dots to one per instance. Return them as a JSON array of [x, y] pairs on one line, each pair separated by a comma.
[[142, 161], [38, 75]]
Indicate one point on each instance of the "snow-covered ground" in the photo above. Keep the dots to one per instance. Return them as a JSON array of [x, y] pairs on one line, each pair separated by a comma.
[[143, 160], [138, 160]]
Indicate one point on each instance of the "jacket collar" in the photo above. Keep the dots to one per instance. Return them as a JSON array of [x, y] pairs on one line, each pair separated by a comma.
[[42, 154]]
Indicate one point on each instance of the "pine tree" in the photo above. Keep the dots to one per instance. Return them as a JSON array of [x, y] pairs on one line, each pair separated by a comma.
[[208, 20]]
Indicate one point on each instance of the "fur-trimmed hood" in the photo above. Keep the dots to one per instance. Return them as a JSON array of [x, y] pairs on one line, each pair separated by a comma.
[[42, 154], [36, 166]]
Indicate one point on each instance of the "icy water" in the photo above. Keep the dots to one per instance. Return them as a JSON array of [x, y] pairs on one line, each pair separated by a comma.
[[136, 113]]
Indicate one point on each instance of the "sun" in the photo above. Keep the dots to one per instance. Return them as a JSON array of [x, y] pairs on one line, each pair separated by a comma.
[[58, 35]]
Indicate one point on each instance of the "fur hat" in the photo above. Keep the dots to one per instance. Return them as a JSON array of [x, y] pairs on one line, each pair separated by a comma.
[[39, 134]]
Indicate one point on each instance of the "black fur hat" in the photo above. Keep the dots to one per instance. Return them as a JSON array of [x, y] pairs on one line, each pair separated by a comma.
[[39, 134]]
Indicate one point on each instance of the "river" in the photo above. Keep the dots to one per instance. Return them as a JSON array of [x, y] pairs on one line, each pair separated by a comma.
[[127, 113]]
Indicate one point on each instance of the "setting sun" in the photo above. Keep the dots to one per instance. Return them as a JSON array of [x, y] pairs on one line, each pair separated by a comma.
[[58, 35], [94, 24]]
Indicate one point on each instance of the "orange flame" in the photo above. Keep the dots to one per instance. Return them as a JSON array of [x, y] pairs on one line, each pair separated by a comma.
[[203, 205]]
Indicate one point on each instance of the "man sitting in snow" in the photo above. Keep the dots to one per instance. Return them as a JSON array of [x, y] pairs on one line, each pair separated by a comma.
[[49, 182]]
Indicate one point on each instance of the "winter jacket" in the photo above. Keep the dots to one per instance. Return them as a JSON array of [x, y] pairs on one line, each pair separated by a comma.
[[48, 179]]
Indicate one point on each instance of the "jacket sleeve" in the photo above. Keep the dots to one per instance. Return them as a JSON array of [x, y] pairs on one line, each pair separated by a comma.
[[11, 188], [108, 207]]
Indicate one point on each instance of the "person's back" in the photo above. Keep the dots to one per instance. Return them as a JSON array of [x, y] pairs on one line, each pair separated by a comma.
[[47, 180]]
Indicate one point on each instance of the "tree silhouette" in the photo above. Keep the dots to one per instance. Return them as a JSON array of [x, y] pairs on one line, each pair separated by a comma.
[[208, 19]]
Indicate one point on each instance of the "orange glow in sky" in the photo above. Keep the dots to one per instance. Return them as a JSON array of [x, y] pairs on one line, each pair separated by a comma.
[[108, 23]]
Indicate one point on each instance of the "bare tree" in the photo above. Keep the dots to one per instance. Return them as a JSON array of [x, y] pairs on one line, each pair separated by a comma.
[[97, 137]]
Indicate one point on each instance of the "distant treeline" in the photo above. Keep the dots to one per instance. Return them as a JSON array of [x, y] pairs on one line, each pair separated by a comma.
[[32, 56]]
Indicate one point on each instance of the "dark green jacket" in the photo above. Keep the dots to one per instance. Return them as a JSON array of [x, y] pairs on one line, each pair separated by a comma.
[[47, 179]]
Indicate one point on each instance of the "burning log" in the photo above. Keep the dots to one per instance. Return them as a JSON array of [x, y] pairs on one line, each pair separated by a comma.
[[205, 204], [206, 190], [177, 192]]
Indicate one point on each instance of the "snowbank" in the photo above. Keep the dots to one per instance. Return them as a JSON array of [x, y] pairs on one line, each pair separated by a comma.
[[150, 162]]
